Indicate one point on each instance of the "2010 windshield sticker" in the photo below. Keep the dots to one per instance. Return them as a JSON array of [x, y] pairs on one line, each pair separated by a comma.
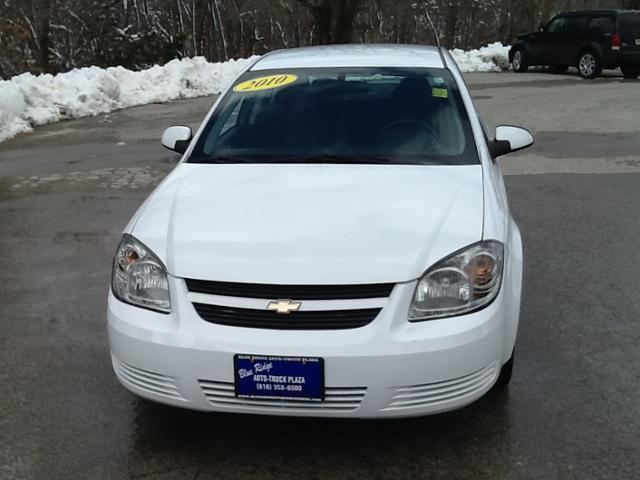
[[265, 83], [440, 93]]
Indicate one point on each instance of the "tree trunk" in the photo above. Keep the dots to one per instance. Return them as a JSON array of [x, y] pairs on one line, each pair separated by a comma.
[[504, 23], [453, 11], [43, 35], [343, 25], [333, 19]]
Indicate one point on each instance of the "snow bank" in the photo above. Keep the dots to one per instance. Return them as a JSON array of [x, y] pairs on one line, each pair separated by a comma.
[[28, 100], [492, 58]]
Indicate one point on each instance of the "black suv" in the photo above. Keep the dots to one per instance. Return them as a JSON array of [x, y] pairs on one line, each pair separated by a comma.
[[590, 41]]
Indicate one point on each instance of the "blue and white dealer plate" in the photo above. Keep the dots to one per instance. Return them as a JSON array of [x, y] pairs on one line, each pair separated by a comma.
[[265, 377]]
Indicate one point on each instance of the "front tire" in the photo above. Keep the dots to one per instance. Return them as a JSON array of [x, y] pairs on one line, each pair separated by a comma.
[[631, 72], [589, 65], [519, 62]]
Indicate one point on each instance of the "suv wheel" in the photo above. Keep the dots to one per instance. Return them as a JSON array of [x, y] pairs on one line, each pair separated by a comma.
[[630, 71], [519, 62], [589, 64]]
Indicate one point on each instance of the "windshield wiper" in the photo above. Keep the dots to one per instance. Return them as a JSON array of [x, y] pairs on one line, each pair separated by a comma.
[[309, 159], [225, 159], [338, 159]]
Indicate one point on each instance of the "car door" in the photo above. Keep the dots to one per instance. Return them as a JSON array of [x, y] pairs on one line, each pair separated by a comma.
[[550, 41], [578, 35]]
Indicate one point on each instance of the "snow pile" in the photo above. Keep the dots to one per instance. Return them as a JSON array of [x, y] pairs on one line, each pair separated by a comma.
[[28, 100], [12, 107], [492, 58]]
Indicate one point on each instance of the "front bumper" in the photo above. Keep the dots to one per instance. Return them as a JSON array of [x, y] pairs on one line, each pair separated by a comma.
[[388, 368]]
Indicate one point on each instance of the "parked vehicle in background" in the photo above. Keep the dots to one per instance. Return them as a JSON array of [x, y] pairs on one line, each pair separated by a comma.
[[589, 40]]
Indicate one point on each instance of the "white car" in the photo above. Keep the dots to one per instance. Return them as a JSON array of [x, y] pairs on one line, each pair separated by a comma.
[[336, 241]]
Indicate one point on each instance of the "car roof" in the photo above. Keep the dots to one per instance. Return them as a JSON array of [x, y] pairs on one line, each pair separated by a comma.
[[362, 55], [611, 11]]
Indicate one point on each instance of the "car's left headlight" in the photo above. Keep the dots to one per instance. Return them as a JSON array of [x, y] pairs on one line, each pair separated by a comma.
[[464, 282], [139, 277]]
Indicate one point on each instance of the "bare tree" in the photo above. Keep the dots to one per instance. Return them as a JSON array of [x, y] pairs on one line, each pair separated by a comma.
[[57, 35], [333, 19]]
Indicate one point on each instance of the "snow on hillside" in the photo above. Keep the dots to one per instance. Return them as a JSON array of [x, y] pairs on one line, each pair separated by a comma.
[[29, 100]]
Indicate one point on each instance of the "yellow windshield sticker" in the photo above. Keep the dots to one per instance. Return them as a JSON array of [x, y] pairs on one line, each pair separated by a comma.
[[265, 83], [440, 93]]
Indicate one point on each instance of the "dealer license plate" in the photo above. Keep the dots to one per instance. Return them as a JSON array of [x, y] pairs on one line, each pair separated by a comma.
[[258, 376]]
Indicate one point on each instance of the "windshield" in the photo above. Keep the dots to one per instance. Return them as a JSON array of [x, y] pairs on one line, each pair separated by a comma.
[[339, 115]]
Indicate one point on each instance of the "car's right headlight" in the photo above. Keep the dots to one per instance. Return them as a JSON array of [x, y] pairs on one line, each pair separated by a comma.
[[139, 277], [462, 283]]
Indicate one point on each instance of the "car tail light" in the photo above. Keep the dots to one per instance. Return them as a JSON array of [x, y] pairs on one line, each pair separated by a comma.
[[616, 41]]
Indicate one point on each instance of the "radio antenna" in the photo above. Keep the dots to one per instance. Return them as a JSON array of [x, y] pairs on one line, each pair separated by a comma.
[[436, 35]]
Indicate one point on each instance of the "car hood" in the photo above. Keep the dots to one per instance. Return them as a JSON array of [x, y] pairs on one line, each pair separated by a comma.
[[526, 36], [311, 224]]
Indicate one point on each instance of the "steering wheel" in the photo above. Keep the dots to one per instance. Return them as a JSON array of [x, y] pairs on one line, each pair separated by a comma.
[[431, 136]]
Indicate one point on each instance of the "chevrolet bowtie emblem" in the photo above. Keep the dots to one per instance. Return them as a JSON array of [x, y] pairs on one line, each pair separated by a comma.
[[284, 306]]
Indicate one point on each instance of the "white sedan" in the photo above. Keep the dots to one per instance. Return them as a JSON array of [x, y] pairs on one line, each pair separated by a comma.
[[336, 241]]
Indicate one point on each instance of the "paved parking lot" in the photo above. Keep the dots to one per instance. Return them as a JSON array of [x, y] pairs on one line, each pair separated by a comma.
[[572, 411]]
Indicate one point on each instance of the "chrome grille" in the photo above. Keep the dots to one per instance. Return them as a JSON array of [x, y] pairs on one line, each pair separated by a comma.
[[337, 399]]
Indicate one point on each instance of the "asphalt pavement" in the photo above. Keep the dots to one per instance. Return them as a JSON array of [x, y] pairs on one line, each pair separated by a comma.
[[572, 410]]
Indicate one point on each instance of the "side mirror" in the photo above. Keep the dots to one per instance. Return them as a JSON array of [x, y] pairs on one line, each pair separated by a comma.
[[510, 139], [177, 139]]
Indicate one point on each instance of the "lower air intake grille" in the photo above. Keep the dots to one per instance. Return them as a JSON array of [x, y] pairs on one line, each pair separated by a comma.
[[338, 399], [150, 382], [433, 394], [305, 320]]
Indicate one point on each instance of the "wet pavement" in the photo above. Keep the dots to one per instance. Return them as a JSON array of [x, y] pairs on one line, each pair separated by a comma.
[[572, 410]]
